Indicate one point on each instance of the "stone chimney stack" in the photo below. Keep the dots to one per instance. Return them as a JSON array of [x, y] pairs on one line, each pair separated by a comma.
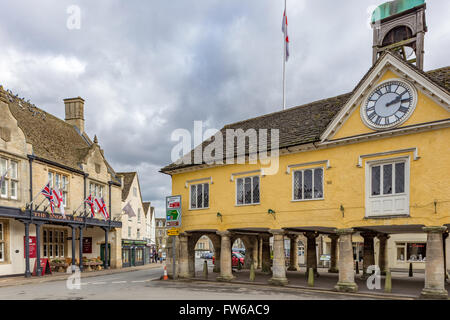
[[75, 112]]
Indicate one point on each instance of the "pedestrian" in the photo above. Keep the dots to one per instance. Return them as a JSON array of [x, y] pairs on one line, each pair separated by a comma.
[[156, 257]]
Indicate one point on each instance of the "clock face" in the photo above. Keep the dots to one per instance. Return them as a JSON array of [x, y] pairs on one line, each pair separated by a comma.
[[389, 105]]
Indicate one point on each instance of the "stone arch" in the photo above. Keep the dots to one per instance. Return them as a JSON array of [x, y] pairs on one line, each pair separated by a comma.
[[192, 241]]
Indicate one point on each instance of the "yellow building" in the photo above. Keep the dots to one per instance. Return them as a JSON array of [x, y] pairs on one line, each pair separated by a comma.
[[373, 162]]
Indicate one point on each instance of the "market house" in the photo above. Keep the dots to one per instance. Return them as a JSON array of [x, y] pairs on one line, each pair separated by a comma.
[[37, 148], [371, 164]]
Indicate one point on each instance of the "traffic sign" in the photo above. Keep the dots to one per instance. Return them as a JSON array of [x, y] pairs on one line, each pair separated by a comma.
[[173, 211], [173, 232]]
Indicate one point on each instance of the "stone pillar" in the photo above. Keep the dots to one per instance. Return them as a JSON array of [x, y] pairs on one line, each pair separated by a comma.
[[293, 258], [80, 249], [225, 257], [311, 255], [106, 266], [368, 253], [259, 253], [255, 252], [383, 262], [183, 259], [434, 265], [265, 259], [192, 242], [74, 238], [333, 254], [249, 257], [27, 249], [346, 281], [279, 265]]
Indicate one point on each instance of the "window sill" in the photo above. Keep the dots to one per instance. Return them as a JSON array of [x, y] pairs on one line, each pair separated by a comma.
[[392, 216], [247, 205], [196, 209], [306, 200]]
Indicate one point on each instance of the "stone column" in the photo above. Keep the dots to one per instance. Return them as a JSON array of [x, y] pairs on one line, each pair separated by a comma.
[[106, 265], [311, 255], [183, 259], [74, 238], [255, 252], [434, 265], [225, 257], [368, 253], [249, 257], [265, 259], [279, 265], [293, 258], [259, 253], [333, 254], [383, 262], [346, 281], [80, 249], [192, 241]]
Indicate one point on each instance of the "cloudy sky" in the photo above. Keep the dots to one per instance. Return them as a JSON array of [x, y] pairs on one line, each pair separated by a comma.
[[146, 68]]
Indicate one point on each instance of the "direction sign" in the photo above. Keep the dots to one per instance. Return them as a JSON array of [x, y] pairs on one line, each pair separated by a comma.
[[173, 232], [173, 211]]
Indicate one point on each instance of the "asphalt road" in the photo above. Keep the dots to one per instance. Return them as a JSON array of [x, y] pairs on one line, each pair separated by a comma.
[[145, 285]]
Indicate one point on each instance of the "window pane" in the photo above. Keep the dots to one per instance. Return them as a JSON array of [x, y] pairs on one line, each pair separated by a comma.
[[45, 251], [45, 236], [400, 177], [1, 231], [14, 189], [240, 191], [193, 197], [308, 184], [13, 170], [2, 249], [58, 181], [248, 190], [387, 179], [50, 178], [61, 237], [255, 189], [298, 185], [61, 250], [56, 251], [206, 195], [4, 188], [318, 188], [376, 181], [199, 196], [401, 253], [64, 183], [3, 166]]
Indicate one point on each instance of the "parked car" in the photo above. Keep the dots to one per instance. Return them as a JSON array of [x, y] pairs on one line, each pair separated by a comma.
[[236, 259], [239, 250]]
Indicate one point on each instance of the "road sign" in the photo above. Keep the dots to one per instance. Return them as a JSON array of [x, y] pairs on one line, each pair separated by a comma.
[[173, 211], [173, 232]]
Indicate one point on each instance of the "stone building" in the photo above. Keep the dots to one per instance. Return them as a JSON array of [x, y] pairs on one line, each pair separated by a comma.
[[371, 163], [160, 234], [150, 223], [35, 148]]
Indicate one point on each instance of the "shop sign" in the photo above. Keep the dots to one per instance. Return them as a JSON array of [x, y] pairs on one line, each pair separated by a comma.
[[173, 211], [87, 245], [32, 246]]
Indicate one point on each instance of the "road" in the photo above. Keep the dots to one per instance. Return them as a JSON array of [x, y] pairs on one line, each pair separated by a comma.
[[144, 285]]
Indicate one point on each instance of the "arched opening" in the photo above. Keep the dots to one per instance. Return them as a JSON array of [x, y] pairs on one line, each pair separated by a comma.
[[396, 35], [238, 253], [204, 251]]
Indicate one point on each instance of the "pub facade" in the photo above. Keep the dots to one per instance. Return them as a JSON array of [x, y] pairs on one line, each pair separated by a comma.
[[37, 148]]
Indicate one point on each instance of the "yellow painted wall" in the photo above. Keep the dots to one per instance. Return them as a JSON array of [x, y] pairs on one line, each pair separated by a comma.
[[344, 183], [426, 110]]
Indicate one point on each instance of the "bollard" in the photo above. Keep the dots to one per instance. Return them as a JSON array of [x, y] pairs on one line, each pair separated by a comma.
[[410, 270], [205, 269], [388, 282], [252, 272], [357, 267], [311, 277]]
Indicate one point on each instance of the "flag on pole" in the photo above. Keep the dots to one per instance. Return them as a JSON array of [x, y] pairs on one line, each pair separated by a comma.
[[129, 210], [102, 207], [91, 204], [284, 29], [58, 200], [47, 192]]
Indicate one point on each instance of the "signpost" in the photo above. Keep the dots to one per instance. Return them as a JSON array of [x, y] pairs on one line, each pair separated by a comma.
[[173, 219]]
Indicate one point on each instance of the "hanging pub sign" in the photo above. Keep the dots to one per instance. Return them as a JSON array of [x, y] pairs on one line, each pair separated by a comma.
[[32, 246], [87, 245], [173, 211]]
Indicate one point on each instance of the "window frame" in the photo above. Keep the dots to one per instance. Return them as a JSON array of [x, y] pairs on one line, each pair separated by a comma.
[[251, 188], [9, 180], [303, 179], [3, 243], [60, 244], [203, 195], [63, 184]]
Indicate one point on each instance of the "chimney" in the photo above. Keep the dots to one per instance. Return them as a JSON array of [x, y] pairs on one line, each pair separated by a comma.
[[75, 112]]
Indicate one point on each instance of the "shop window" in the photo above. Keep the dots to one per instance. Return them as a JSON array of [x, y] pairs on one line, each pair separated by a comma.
[[247, 190], [199, 196], [308, 184], [125, 256], [387, 188], [10, 182], [416, 251], [139, 255], [54, 243], [401, 252]]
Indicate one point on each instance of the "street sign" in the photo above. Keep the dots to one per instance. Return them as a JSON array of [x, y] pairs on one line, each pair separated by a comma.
[[173, 232], [173, 211]]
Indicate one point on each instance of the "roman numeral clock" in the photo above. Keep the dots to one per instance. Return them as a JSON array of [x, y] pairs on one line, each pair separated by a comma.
[[389, 105]]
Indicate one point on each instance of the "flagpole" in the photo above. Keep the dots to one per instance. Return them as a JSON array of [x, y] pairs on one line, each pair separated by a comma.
[[284, 60]]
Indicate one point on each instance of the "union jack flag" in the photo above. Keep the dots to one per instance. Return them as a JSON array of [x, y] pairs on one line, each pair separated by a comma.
[[102, 206], [91, 204], [47, 192]]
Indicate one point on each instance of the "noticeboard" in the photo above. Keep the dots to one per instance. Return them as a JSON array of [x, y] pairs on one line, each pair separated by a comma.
[[173, 211]]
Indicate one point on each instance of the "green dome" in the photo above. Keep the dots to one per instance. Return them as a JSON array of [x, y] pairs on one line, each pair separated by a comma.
[[393, 7]]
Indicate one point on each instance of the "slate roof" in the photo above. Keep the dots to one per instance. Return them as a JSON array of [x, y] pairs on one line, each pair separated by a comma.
[[128, 178], [52, 139], [146, 206], [305, 124]]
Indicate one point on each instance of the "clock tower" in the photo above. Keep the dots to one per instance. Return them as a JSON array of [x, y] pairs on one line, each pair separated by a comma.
[[399, 26]]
